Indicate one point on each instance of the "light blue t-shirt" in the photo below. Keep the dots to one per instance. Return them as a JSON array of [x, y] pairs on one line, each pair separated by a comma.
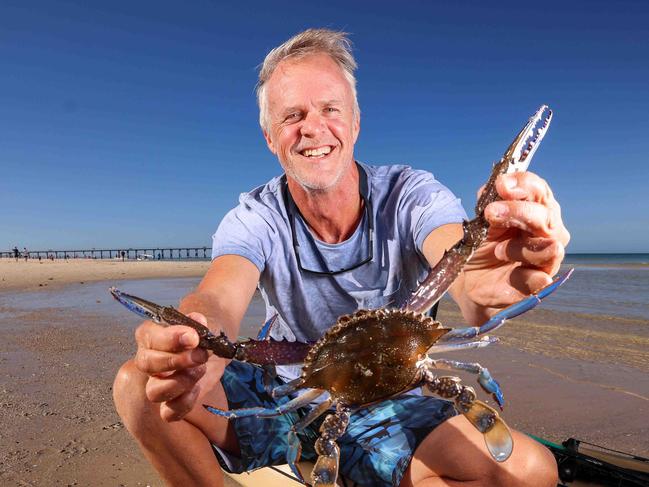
[[407, 205]]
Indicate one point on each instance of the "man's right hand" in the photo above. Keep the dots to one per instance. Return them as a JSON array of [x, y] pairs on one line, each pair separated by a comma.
[[174, 364]]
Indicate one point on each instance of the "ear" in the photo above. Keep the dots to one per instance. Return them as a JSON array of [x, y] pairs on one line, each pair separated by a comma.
[[357, 127], [269, 142]]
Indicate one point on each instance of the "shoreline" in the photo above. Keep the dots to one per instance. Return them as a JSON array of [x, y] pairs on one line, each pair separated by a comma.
[[33, 274], [564, 374]]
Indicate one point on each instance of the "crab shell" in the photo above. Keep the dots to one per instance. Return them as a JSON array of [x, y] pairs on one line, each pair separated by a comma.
[[370, 355]]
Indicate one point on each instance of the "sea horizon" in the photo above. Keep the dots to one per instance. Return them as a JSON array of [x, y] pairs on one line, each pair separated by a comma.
[[151, 253], [606, 258]]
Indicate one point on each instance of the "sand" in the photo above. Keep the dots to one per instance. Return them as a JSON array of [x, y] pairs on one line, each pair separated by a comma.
[[32, 274], [563, 374]]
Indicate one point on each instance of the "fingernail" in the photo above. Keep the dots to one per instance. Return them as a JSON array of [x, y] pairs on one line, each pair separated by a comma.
[[186, 340]]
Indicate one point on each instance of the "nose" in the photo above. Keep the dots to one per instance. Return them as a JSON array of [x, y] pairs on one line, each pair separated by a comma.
[[313, 124]]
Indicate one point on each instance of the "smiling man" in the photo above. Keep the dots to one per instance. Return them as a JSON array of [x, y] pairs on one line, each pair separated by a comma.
[[330, 236]]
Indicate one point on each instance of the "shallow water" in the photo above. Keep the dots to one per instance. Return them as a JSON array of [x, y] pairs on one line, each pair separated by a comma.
[[94, 297], [604, 291], [593, 290]]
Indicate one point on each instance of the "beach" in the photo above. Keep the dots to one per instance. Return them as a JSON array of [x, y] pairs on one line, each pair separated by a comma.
[[32, 274], [566, 372]]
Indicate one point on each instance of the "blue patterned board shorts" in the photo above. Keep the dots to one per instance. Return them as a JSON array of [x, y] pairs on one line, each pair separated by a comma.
[[374, 451]]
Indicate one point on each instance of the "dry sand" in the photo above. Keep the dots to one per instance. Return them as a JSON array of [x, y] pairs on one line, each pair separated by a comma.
[[563, 375]]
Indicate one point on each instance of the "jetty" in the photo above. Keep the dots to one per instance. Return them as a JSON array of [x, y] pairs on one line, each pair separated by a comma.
[[148, 253]]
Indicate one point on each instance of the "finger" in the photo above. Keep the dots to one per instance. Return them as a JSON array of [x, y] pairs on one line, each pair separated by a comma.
[[178, 408], [545, 254], [527, 280], [196, 316], [173, 386], [528, 216], [156, 361], [168, 339], [524, 186]]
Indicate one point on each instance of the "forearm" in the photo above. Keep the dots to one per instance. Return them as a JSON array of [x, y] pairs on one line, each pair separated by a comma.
[[224, 294], [220, 316]]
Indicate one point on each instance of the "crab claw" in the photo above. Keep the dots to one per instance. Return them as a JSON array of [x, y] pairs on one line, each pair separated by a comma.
[[496, 433], [490, 385]]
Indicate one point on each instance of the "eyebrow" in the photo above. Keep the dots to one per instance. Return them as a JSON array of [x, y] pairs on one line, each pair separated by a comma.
[[291, 109], [334, 101]]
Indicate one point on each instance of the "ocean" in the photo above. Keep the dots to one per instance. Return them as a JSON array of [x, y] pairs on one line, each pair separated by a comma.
[[602, 284], [607, 259]]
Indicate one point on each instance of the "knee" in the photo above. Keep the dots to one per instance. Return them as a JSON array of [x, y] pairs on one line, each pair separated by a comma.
[[129, 395], [532, 466]]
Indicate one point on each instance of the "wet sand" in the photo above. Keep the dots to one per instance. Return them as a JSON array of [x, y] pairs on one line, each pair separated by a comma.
[[33, 274], [563, 375]]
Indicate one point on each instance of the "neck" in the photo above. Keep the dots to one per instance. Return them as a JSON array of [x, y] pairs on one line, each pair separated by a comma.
[[334, 213]]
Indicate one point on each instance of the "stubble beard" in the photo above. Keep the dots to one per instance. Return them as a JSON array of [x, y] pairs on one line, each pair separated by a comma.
[[312, 185]]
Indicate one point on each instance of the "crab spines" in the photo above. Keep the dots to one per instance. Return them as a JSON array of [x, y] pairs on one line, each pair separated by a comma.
[[497, 436], [535, 130]]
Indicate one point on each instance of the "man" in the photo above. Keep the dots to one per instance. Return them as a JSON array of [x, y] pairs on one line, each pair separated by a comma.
[[306, 240]]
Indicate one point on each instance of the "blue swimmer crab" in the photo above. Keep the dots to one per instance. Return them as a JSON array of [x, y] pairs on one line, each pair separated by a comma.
[[373, 355]]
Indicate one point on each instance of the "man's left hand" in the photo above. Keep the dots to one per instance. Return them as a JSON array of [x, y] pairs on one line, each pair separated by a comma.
[[524, 247]]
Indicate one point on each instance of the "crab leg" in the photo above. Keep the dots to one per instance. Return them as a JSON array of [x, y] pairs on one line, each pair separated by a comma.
[[286, 389], [261, 412], [497, 436], [452, 346], [259, 352], [294, 446], [486, 381], [497, 320], [325, 471], [516, 159]]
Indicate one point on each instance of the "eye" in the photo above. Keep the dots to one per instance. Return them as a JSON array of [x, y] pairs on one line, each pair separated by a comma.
[[292, 117], [331, 110]]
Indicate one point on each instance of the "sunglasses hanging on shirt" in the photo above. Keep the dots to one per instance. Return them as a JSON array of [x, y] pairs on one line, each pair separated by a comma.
[[292, 210]]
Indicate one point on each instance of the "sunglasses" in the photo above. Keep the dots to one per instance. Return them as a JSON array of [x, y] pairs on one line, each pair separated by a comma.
[[324, 270]]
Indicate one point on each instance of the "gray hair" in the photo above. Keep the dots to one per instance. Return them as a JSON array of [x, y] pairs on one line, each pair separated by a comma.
[[311, 41]]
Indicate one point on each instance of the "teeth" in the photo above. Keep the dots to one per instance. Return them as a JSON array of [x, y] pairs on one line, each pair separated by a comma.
[[317, 152]]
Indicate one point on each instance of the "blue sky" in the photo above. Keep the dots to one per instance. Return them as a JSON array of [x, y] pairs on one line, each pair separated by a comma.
[[135, 124]]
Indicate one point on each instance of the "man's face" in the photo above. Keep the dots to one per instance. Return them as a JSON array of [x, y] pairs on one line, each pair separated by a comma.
[[311, 125]]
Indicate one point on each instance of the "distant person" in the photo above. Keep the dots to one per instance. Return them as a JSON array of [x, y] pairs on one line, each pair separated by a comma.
[[16, 253], [123, 255], [25, 253]]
